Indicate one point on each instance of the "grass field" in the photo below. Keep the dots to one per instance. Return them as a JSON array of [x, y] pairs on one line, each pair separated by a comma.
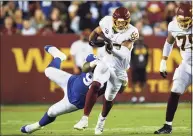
[[124, 120]]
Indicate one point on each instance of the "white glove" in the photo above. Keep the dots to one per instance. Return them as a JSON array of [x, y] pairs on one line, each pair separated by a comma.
[[163, 68], [94, 63]]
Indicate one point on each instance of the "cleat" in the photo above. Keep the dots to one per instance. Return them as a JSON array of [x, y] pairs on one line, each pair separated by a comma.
[[55, 52], [46, 48], [82, 124], [100, 125], [30, 128], [23, 129], [166, 129]]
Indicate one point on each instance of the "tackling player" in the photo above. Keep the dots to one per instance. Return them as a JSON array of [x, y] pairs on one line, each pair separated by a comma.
[[75, 88], [118, 37], [179, 30]]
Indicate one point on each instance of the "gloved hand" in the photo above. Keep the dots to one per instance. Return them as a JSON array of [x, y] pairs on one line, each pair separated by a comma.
[[109, 47], [163, 68]]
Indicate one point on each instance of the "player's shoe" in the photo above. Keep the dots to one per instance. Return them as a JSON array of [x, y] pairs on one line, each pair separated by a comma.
[[82, 124], [30, 128], [55, 52], [166, 129], [100, 125]]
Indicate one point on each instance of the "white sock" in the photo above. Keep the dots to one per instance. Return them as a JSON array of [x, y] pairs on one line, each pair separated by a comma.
[[169, 123], [57, 53]]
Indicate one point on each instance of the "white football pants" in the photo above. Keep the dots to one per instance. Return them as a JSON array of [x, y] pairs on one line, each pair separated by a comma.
[[61, 79], [102, 74], [182, 78]]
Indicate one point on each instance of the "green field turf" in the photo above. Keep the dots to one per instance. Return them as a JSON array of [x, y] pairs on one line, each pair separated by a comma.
[[124, 120]]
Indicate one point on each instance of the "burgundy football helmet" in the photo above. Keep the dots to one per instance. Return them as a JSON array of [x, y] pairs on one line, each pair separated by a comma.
[[121, 19], [184, 16]]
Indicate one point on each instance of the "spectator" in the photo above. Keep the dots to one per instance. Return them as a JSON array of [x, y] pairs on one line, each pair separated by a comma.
[[38, 21], [85, 16], [24, 7], [144, 30], [55, 19], [79, 50], [155, 11], [2, 16], [109, 7], [169, 11], [64, 29], [46, 30], [27, 28], [160, 29], [9, 8], [46, 7], [95, 11], [18, 18], [8, 28], [136, 14], [72, 9], [139, 62]]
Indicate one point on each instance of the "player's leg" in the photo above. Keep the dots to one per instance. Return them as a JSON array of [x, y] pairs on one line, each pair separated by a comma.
[[113, 86], [53, 71], [61, 107], [182, 80], [101, 75], [61, 78]]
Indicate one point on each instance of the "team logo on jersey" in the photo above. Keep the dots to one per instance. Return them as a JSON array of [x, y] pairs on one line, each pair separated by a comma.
[[106, 31]]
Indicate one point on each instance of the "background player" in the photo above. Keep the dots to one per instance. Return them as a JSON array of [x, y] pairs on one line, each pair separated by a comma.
[[180, 30], [75, 88], [120, 36]]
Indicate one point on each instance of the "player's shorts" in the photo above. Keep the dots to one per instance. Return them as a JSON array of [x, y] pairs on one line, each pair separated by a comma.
[[182, 78], [61, 79]]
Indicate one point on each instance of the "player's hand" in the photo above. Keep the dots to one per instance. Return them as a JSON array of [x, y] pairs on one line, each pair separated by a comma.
[[163, 68], [109, 47], [94, 63]]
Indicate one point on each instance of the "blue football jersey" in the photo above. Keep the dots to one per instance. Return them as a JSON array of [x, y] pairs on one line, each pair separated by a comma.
[[77, 87]]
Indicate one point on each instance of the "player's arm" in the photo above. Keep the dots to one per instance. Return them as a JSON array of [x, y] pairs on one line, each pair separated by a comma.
[[167, 49], [128, 43], [98, 39], [89, 66], [93, 38]]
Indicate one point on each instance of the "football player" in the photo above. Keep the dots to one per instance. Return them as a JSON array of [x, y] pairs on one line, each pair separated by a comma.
[[75, 88], [118, 37], [179, 30]]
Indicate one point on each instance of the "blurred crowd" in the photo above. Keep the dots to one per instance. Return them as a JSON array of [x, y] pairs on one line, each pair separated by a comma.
[[61, 17]]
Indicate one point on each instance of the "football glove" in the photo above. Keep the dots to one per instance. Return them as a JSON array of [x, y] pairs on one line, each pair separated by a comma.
[[163, 68], [109, 47]]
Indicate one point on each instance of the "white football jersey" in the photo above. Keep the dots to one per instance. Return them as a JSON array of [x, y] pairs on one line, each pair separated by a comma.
[[183, 40], [120, 65]]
